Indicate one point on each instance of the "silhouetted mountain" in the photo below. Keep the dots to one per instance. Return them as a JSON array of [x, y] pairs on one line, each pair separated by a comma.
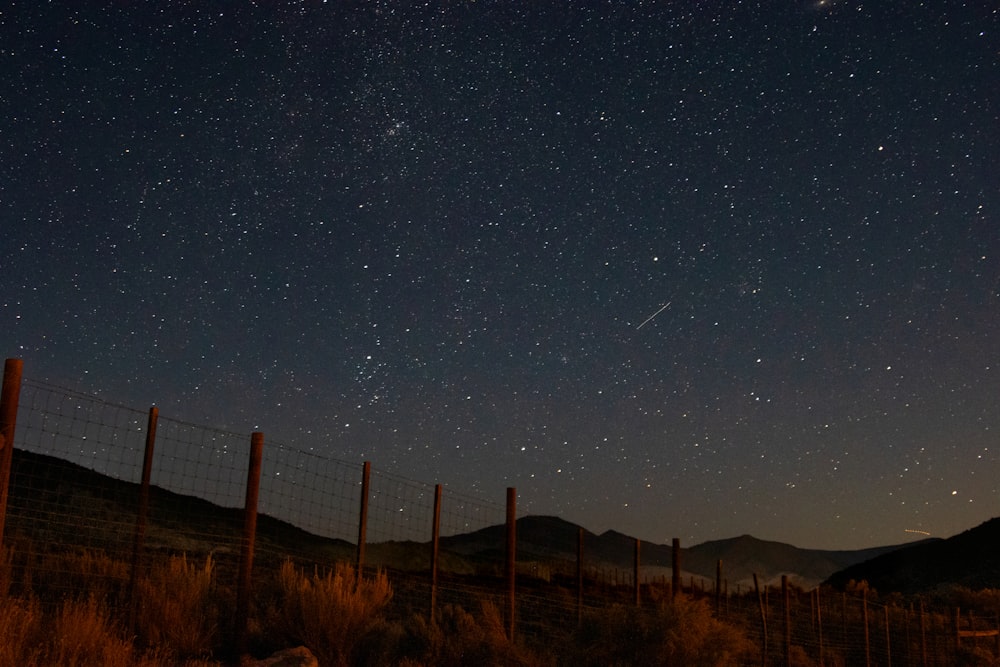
[[744, 556], [970, 559], [57, 502], [54, 501], [540, 537], [546, 538]]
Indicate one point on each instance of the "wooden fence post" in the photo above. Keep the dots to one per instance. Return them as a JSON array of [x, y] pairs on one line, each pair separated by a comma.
[[249, 537], [511, 560], [819, 625], [958, 635], [579, 576], [864, 619], [142, 515], [366, 475], [718, 587], [435, 551], [888, 641], [763, 621], [9, 398], [843, 617], [675, 579], [635, 572], [907, 616], [788, 619], [996, 640], [923, 635]]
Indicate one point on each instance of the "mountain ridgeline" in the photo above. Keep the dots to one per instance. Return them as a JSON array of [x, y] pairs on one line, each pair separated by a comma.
[[91, 506], [551, 539], [970, 559]]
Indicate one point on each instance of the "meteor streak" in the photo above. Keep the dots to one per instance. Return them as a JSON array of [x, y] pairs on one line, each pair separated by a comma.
[[645, 321]]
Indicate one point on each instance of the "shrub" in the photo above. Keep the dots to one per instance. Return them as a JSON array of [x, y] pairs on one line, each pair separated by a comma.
[[681, 632], [458, 638], [6, 570], [78, 633], [331, 613], [66, 573], [21, 623], [83, 634], [176, 612]]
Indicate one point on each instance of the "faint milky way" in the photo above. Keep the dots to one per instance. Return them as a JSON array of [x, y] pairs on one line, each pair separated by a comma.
[[422, 236]]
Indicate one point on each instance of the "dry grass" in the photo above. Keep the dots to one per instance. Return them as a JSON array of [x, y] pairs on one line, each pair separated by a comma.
[[21, 623], [82, 632], [176, 612], [459, 638], [331, 613], [681, 632], [6, 570], [68, 573], [335, 613]]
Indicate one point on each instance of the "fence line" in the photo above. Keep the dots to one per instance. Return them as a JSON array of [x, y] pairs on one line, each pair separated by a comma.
[[195, 492]]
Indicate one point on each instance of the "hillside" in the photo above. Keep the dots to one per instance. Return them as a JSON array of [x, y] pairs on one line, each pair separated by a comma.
[[745, 555], [53, 501], [547, 538], [970, 559]]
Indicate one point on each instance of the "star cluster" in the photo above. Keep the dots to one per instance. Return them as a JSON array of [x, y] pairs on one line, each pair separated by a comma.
[[672, 269]]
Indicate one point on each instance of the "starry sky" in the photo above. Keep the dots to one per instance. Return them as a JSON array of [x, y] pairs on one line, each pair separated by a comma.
[[677, 269]]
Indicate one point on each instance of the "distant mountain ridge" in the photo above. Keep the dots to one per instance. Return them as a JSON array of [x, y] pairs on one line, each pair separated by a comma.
[[970, 559], [745, 555], [95, 507], [546, 538]]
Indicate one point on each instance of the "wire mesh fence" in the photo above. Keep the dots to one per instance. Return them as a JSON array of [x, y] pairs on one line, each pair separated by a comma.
[[73, 510]]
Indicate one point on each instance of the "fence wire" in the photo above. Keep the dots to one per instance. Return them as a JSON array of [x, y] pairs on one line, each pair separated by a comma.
[[75, 490]]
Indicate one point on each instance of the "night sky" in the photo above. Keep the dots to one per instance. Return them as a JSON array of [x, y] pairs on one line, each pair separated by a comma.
[[677, 269]]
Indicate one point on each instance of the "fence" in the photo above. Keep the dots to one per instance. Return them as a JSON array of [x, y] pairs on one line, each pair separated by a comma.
[[92, 476]]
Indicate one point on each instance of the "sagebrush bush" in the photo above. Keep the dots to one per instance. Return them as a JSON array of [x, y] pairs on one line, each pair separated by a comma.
[[681, 632], [78, 632], [458, 638], [84, 631], [6, 570], [21, 621], [84, 635], [177, 613], [331, 613], [67, 573]]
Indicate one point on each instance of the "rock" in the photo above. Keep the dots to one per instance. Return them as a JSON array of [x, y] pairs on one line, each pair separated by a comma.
[[299, 656]]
